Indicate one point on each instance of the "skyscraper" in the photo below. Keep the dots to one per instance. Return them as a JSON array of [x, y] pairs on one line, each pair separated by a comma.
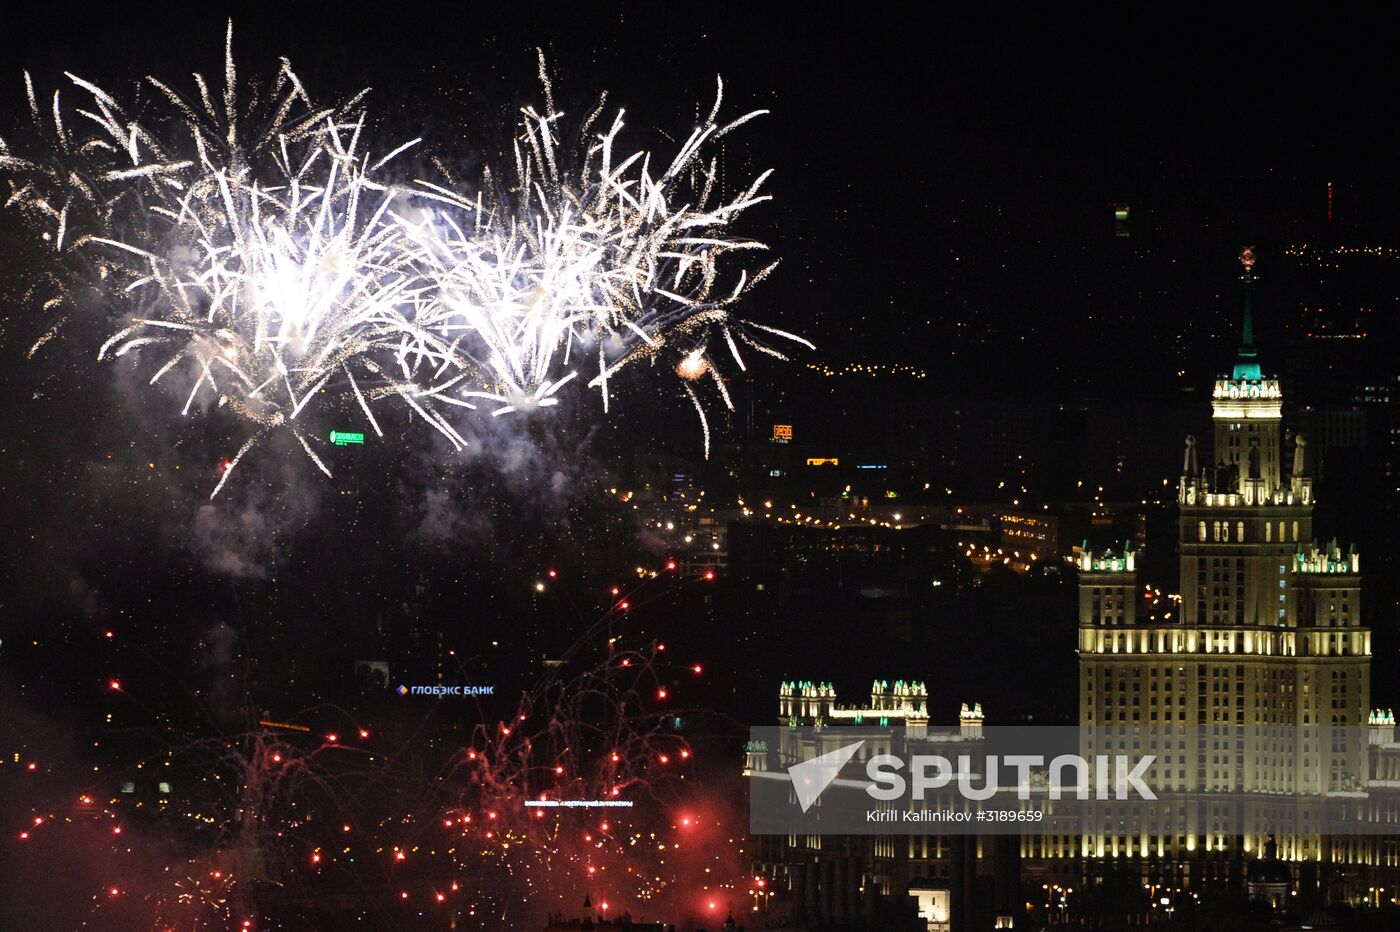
[[1268, 634]]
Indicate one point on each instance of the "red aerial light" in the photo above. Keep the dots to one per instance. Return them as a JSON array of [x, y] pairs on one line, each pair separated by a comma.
[[403, 895], [627, 661], [23, 836], [116, 830], [615, 758], [661, 694], [697, 669], [615, 590], [661, 646], [441, 897], [115, 685], [709, 574], [364, 732], [624, 605], [684, 753], [553, 574], [664, 759], [277, 758], [332, 738], [316, 857], [345, 828], [110, 634], [399, 856], [670, 564], [558, 769]]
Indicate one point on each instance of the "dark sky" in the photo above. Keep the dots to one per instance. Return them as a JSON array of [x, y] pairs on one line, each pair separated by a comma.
[[931, 165]]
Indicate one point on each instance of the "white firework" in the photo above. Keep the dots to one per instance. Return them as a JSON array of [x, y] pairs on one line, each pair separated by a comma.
[[284, 266], [592, 261]]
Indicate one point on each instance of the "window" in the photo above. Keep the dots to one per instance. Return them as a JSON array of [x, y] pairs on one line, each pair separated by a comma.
[[1201, 530]]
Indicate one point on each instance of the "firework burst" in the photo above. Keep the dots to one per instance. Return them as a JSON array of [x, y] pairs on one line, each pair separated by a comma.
[[264, 250]]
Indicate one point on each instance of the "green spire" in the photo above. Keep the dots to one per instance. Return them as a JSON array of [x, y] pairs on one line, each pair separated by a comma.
[[1247, 359]]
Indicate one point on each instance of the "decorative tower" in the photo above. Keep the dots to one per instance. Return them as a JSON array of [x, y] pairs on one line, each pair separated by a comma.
[[970, 721], [1241, 527], [1248, 408]]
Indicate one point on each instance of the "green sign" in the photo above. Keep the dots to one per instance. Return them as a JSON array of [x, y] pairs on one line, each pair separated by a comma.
[[340, 438]]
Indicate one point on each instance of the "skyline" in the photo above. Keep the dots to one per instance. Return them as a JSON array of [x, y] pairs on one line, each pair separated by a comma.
[[342, 688]]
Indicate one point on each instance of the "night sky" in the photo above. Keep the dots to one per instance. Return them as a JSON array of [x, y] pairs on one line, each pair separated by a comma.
[[931, 167]]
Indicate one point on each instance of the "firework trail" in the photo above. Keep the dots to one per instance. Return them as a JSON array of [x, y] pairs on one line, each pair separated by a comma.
[[261, 247], [322, 815]]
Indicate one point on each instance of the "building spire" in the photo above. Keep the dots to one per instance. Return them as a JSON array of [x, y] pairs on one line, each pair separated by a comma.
[[1247, 359]]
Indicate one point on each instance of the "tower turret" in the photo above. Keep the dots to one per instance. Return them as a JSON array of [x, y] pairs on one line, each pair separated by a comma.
[[1193, 484], [1247, 359], [1300, 481]]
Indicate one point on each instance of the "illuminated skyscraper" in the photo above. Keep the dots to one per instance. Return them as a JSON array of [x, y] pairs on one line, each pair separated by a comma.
[[1267, 632]]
